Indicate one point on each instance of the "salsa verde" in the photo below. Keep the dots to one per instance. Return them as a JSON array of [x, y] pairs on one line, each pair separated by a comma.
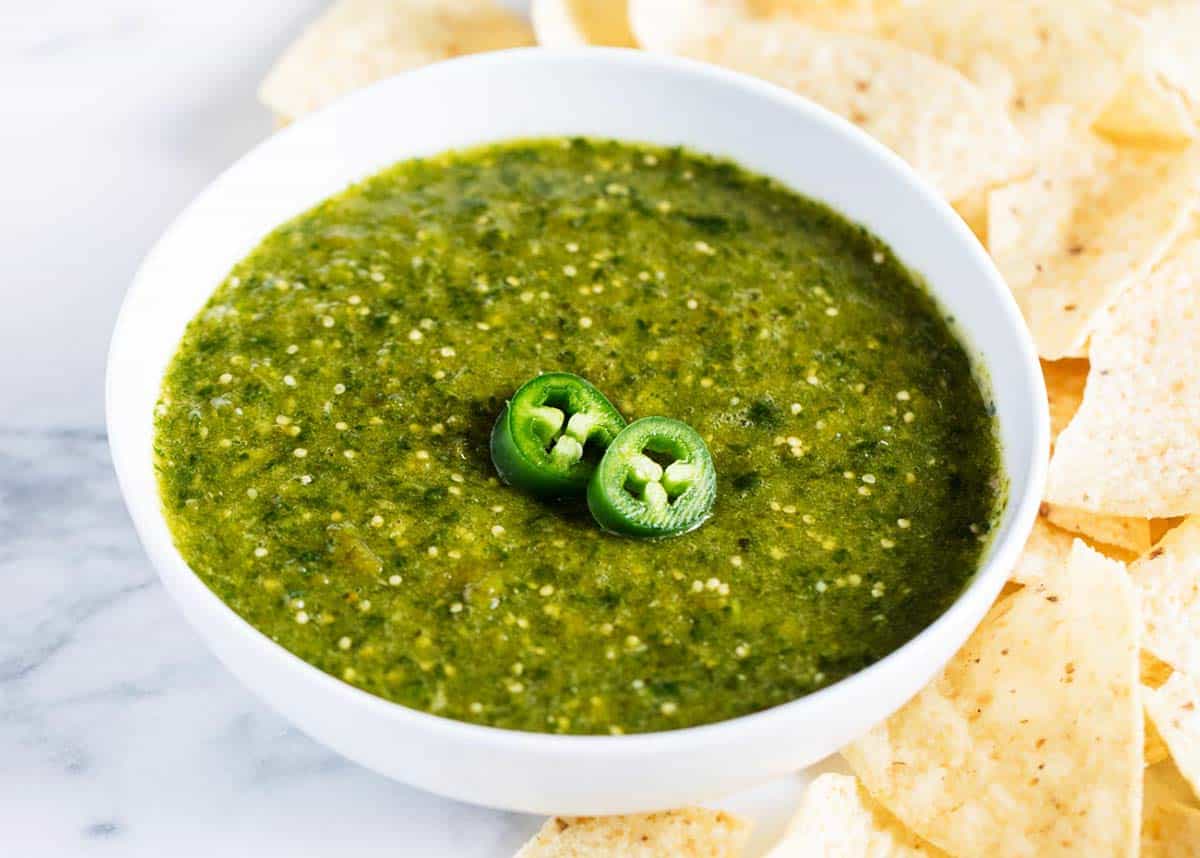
[[322, 439]]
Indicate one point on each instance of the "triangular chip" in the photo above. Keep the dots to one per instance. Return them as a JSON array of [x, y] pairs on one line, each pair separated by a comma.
[[1030, 741], [1175, 710], [839, 819], [1065, 380], [572, 23], [1171, 31], [1168, 584], [1090, 223], [924, 111], [1133, 447], [1154, 749], [689, 833], [1046, 551], [1147, 112], [1029, 54], [1026, 54], [1131, 535], [1170, 820], [357, 42], [862, 16], [1158, 102], [973, 210], [1154, 674]]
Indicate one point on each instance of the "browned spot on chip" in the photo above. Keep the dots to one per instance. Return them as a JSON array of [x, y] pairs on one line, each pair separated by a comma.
[[985, 802]]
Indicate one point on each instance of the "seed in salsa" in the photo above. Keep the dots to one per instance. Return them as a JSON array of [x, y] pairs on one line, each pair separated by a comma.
[[323, 452]]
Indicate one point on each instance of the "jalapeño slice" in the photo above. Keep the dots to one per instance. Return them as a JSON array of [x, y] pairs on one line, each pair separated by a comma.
[[656, 479], [550, 435]]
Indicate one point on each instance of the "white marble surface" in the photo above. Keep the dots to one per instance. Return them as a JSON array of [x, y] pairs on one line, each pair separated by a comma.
[[119, 734]]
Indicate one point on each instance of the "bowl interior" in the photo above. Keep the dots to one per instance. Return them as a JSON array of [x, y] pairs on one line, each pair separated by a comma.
[[603, 93]]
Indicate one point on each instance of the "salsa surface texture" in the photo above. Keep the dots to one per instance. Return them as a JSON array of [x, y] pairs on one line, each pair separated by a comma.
[[322, 439]]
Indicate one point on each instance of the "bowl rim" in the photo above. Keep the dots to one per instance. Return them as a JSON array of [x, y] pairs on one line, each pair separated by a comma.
[[988, 579]]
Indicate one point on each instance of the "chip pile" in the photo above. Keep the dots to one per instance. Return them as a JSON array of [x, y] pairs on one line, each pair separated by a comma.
[[1065, 134]]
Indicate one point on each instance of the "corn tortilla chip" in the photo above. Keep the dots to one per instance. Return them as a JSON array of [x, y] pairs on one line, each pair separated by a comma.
[[1147, 111], [1170, 819], [1029, 54], [1030, 741], [1154, 674], [1132, 535], [973, 210], [1171, 28], [1164, 783], [1168, 584], [924, 111], [1045, 552], [688, 833], [1092, 221], [1154, 749], [572, 23], [1065, 380], [1171, 830], [1133, 448], [1175, 711], [357, 42], [1158, 102], [863, 16], [839, 819]]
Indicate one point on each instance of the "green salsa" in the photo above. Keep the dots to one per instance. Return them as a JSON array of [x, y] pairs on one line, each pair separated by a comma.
[[322, 439]]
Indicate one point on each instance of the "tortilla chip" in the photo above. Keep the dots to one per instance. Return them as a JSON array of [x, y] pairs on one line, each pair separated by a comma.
[[1170, 820], [1027, 54], [1165, 783], [1171, 830], [573, 23], [1175, 711], [1171, 28], [1065, 380], [1154, 749], [839, 819], [1133, 447], [357, 42], [1157, 104], [925, 112], [1147, 112], [1046, 551], [1030, 741], [1154, 674], [1092, 221], [863, 16], [689, 833], [973, 210], [1168, 583], [1132, 535]]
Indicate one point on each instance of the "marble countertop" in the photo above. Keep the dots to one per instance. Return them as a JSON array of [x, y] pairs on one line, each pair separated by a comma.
[[119, 733]]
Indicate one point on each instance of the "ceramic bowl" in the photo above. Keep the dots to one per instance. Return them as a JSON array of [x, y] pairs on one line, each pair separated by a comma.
[[604, 93]]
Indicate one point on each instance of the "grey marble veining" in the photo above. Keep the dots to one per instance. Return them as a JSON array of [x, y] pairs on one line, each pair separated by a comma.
[[118, 731]]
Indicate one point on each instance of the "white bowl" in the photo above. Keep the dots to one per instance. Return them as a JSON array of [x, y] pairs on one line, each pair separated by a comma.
[[604, 93]]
